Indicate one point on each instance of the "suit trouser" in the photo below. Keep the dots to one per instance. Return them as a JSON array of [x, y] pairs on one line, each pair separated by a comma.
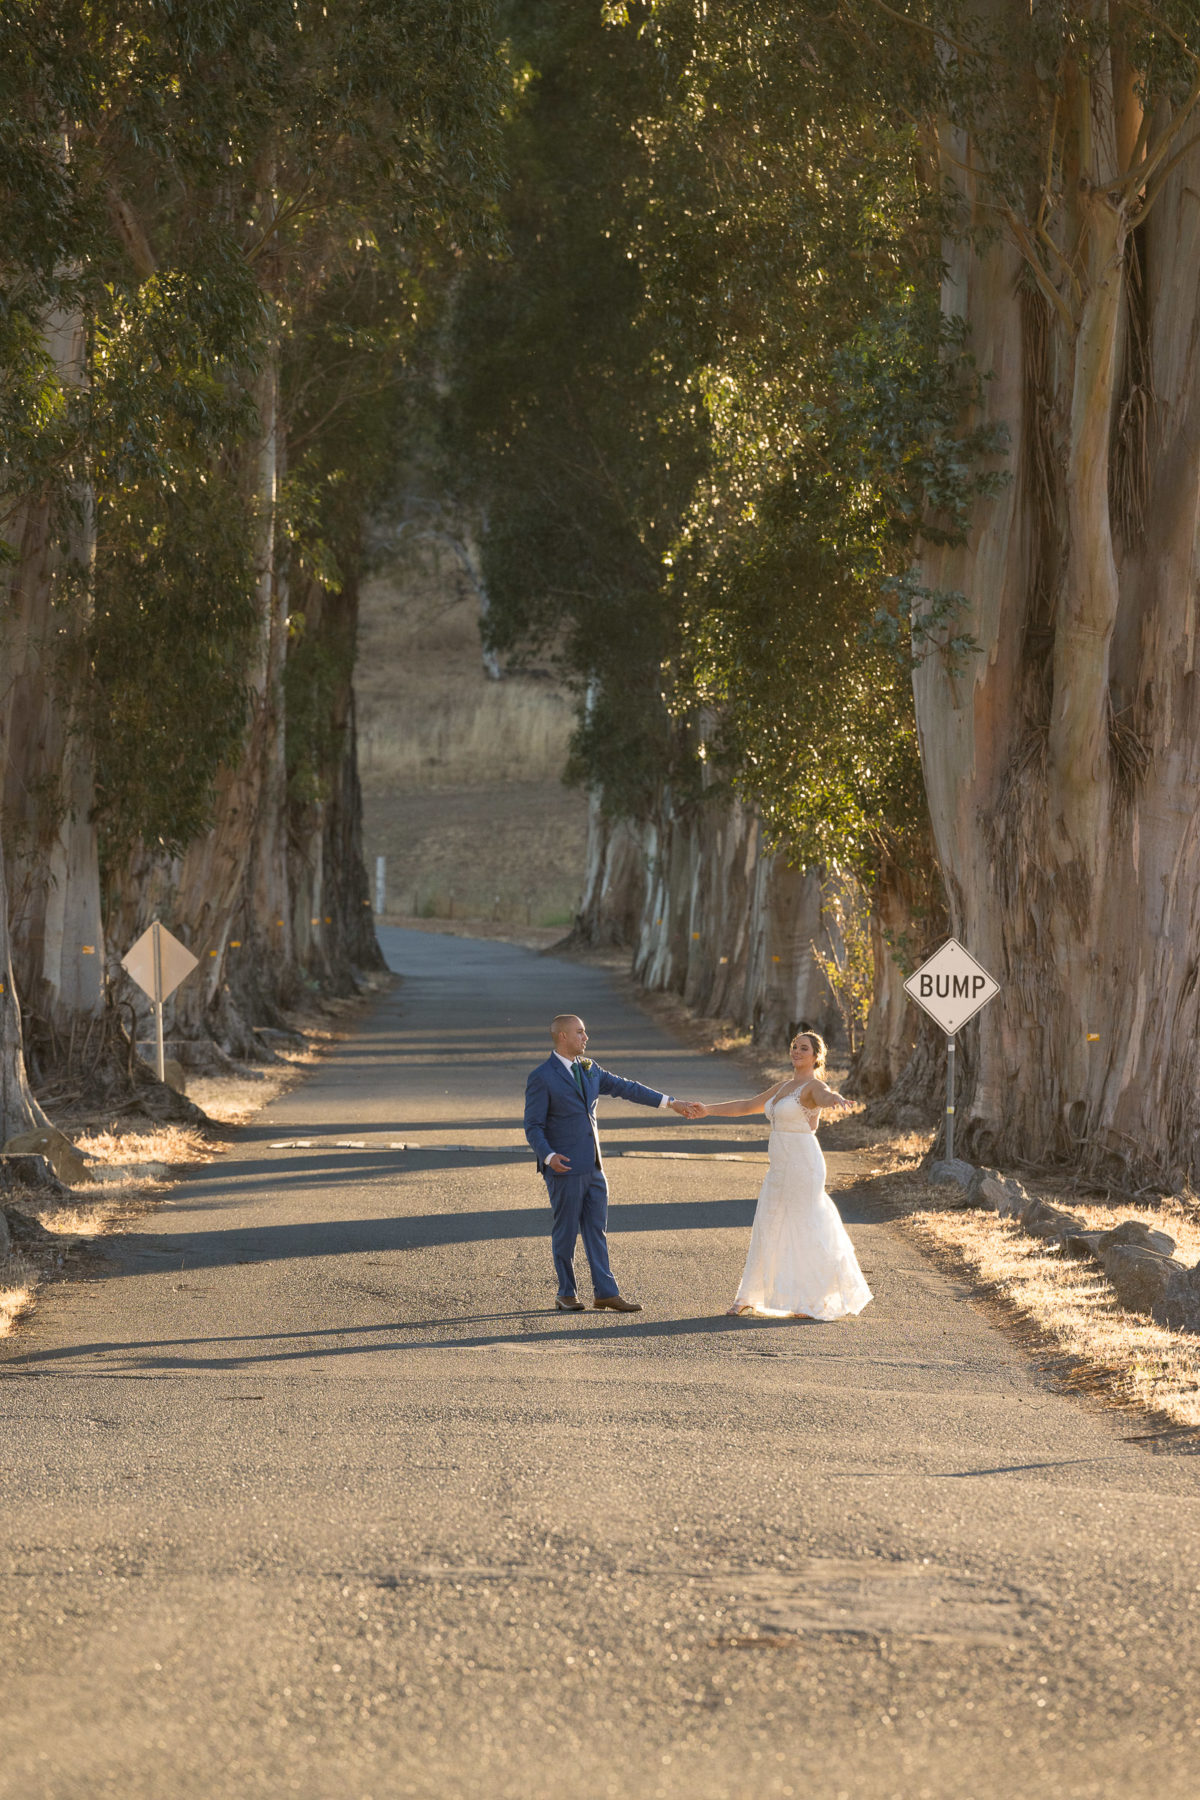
[[579, 1204]]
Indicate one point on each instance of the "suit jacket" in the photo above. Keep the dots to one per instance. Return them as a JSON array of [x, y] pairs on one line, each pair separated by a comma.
[[559, 1119]]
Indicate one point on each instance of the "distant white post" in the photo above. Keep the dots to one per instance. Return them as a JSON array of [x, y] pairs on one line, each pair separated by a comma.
[[380, 885]]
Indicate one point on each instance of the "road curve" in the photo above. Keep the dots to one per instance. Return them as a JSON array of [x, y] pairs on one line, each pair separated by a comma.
[[310, 1492]]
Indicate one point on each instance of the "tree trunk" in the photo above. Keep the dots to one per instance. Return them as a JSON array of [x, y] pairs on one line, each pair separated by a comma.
[[730, 927], [265, 979], [19, 1111], [907, 914], [614, 882], [334, 922], [1062, 761], [46, 772], [213, 898]]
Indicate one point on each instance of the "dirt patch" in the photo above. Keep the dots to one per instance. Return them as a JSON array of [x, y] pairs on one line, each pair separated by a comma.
[[501, 852]]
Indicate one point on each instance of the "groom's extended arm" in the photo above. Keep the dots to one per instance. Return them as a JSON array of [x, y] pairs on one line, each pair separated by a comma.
[[621, 1089], [537, 1111]]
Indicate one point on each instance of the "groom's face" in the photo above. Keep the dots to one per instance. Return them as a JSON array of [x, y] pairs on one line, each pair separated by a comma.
[[572, 1039]]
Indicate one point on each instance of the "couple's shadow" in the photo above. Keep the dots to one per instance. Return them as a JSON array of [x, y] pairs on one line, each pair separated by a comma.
[[589, 1328]]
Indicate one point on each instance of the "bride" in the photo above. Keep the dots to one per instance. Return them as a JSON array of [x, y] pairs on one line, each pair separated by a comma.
[[801, 1263]]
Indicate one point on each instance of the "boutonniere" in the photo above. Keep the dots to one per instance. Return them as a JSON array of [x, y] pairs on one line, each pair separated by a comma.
[[585, 1063]]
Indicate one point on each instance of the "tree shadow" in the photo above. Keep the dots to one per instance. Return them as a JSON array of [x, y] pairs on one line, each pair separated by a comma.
[[359, 1237], [587, 1331]]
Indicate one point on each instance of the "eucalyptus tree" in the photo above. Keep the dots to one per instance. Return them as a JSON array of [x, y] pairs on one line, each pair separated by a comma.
[[670, 389], [786, 232], [559, 428], [46, 530], [193, 182], [307, 142], [1061, 760]]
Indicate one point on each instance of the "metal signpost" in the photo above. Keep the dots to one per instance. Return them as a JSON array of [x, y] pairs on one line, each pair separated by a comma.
[[158, 963], [951, 987]]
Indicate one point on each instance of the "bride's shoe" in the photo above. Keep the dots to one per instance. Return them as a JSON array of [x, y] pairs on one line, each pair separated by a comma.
[[735, 1311]]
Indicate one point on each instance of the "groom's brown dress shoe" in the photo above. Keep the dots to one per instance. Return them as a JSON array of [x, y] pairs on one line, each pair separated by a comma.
[[616, 1303], [568, 1303]]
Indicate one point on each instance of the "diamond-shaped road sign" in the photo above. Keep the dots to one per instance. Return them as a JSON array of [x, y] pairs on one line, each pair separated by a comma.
[[158, 962], [951, 986]]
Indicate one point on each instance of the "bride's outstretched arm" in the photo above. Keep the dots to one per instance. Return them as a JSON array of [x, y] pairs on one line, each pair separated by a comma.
[[738, 1109], [819, 1093]]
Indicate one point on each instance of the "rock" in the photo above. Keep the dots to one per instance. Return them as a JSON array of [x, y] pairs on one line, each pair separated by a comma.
[[58, 1151], [1142, 1278], [1041, 1220], [991, 1191], [35, 1172], [1084, 1243], [173, 1075], [1179, 1307], [26, 1232], [1140, 1235], [956, 1173], [5, 1234], [162, 1103]]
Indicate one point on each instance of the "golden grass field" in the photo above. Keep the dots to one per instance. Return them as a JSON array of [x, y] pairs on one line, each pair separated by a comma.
[[461, 774]]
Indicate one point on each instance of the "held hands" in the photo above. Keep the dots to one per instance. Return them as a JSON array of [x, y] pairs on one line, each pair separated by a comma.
[[689, 1109]]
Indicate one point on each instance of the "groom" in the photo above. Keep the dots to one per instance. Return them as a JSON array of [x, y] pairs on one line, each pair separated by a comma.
[[560, 1123]]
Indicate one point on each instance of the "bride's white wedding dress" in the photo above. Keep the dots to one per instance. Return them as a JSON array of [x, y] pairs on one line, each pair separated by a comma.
[[800, 1259]]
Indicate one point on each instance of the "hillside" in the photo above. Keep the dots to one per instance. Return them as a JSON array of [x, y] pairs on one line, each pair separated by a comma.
[[461, 774]]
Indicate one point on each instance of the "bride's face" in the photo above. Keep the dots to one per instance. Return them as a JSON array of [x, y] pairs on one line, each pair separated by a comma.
[[803, 1057]]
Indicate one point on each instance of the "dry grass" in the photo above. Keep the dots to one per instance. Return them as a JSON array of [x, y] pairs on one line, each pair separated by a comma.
[[461, 775], [1125, 1357], [429, 714], [18, 1284], [236, 1099]]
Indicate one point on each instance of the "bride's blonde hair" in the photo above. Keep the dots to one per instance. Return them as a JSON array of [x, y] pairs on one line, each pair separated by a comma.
[[819, 1050]]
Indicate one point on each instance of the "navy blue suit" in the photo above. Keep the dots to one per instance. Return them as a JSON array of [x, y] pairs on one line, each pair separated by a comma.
[[561, 1119]]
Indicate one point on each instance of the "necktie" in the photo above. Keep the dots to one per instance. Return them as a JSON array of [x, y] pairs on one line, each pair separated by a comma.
[[577, 1072]]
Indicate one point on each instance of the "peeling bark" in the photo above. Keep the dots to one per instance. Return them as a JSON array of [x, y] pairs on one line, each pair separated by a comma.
[[1063, 761], [46, 772], [710, 915], [19, 1111]]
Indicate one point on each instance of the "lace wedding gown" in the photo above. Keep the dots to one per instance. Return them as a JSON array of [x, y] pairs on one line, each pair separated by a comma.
[[800, 1259]]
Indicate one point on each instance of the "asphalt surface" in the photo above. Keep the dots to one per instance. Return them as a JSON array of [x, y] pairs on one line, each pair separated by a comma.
[[310, 1491]]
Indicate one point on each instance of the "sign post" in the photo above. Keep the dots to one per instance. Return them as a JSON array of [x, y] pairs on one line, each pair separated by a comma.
[[158, 963], [951, 987]]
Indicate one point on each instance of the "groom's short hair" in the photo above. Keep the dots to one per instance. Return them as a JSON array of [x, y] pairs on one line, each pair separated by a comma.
[[560, 1021]]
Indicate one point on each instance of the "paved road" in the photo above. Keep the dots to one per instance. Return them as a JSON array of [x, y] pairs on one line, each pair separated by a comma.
[[311, 1493]]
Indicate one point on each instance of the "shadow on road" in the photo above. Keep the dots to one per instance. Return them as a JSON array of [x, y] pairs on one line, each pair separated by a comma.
[[356, 1237], [592, 1330]]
